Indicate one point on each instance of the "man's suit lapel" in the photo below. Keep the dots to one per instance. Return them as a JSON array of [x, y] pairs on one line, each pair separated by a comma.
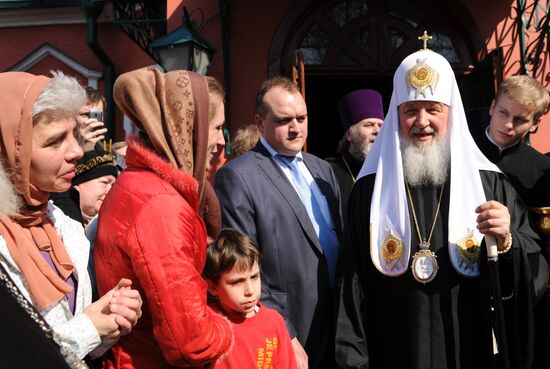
[[276, 175]]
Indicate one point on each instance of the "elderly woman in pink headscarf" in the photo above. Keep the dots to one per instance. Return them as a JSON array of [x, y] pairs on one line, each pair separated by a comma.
[[45, 252]]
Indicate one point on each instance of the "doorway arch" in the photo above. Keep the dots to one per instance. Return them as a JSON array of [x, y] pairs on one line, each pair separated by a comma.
[[354, 44]]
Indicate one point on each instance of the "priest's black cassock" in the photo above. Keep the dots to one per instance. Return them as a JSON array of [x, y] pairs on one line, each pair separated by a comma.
[[388, 322], [346, 168], [527, 169], [529, 172]]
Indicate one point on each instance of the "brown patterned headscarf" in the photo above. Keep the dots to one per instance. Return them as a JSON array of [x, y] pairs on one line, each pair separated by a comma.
[[30, 231], [172, 109]]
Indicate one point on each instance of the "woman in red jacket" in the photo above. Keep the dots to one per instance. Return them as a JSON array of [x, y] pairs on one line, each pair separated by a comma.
[[151, 226]]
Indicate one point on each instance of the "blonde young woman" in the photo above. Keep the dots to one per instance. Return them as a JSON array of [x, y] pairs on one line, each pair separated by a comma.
[[151, 222]]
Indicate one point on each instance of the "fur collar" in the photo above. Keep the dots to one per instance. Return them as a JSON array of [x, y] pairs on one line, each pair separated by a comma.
[[138, 156]]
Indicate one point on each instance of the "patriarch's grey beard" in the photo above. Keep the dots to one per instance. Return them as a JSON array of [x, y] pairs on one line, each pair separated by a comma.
[[426, 164]]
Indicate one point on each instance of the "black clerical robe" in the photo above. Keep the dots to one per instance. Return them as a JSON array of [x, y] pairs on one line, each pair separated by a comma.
[[527, 169], [345, 174], [396, 322], [529, 172]]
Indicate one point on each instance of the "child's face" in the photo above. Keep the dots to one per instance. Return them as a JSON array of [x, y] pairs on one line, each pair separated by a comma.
[[510, 121], [238, 291]]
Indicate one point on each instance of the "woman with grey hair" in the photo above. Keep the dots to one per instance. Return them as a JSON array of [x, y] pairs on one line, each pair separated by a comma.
[[44, 251], [26, 327]]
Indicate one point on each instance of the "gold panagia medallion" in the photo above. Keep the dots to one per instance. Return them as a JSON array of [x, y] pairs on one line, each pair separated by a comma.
[[391, 250], [421, 77], [424, 264], [469, 249]]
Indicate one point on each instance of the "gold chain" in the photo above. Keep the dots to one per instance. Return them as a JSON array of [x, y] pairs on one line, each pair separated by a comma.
[[349, 169], [420, 239]]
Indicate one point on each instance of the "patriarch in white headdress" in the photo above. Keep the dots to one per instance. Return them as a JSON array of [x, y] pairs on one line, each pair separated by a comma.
[[425, 76]]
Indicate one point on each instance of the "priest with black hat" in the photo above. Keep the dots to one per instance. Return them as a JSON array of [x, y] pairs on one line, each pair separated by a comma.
[[361, 114]]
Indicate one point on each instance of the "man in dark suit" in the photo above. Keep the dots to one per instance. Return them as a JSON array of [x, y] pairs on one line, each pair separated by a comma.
[[288, 202]]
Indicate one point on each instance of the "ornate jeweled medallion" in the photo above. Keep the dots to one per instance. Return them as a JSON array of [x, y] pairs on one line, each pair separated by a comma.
[[424, 264], [391, 250], [469, 250], [421, 77]]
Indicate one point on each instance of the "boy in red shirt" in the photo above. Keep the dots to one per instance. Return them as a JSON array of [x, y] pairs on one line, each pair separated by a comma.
[[233, 275]]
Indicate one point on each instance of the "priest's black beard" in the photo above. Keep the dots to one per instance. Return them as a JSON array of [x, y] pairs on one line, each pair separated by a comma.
[[426, 164]]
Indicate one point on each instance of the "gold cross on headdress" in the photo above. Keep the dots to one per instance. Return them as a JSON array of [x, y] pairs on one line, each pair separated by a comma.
[[424, 38]]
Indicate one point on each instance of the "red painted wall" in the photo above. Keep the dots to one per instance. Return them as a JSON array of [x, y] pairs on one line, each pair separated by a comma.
[[251, 36], [496, 20], [17, 43], [252, 27]]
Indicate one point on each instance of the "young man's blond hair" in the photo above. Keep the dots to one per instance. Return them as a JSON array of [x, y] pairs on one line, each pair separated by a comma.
[[528, 92]]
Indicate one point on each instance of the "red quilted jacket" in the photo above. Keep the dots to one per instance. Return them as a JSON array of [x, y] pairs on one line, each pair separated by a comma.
[[150, 232]]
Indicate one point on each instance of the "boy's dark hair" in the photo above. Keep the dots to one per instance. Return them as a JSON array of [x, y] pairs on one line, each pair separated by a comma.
[[231, 248]]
